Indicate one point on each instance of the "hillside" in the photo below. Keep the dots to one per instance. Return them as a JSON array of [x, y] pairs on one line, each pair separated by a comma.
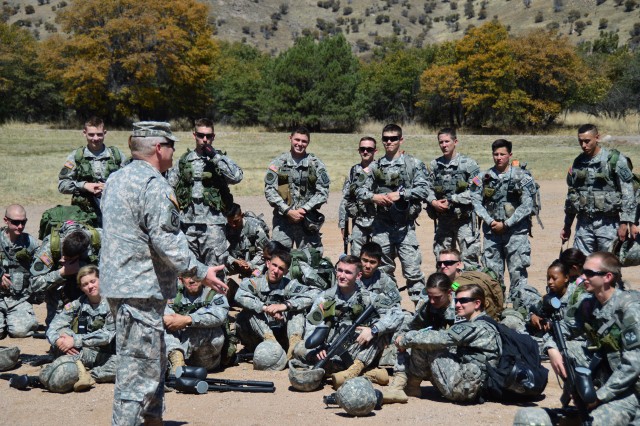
[[272, 25]]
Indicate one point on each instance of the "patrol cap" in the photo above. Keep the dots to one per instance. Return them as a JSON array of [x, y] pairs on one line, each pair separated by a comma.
[[147, 129]]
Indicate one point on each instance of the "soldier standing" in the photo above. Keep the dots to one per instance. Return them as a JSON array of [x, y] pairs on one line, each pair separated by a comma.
[[296, 186], [201, 181], [87, 169], [143, 251], [449, 202], [600, 194]]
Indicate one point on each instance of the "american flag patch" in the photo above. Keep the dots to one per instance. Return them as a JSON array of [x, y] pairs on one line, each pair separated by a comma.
[[274, 168], [476, 180], [69, 165], [46, 259]]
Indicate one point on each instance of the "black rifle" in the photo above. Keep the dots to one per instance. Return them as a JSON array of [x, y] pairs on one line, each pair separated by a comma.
[[342, 342], [194, 380], [345, 239], [578, 384], [22, 381]]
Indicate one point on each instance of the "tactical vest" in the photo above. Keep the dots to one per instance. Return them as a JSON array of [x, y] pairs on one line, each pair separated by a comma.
[[252, 223], [401, 211], [81, 323], [183, 306], [85, 173], [16, 263], [55, 244], [216, 193], [500, 198], [308, 179], [355, 208], [449, 181], [594, 190]]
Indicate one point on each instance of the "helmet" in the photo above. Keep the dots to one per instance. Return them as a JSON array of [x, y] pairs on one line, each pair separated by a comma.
[[532, 416], [357, 397], [313, 221], [303, 378], [60, 375], [627, 251], [269, 355], [9, 358]]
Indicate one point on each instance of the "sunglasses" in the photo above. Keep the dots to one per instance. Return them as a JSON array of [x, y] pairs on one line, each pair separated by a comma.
[[589, 273], [390, 138], [16, 222], [209, 136], [364, 149], [463, 300], [446, 262], [170, 144]]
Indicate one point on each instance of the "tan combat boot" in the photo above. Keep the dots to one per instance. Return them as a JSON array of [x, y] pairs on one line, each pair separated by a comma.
[[395, 393], [342, 376], [413, 386], [85, 381], [176, 358], [293, 341], [379, 376]]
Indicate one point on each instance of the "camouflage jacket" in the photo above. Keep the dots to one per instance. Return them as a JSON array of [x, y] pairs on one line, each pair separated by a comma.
[[350, 206], [452, 180], [386, 296], [254, 293], [248, 243], [16, 259], [207, 310], [100, 327]]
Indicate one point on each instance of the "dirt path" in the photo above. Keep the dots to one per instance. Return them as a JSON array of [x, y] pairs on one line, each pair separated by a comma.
[[287, 407]]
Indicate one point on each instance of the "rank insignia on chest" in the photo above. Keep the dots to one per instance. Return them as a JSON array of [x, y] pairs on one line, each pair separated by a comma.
[[175, 218]]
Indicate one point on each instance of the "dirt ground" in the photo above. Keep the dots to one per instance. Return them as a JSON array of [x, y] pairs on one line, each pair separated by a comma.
[[286, 406]]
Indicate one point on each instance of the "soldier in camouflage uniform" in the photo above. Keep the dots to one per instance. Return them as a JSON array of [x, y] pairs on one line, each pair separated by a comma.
[[85, 330], [296, 186], [396, 184], [458, 376], [57, 261], [449, 202], [350, 208], [201, 181], [600, 194], [143, 251], [87, 169], [610, 320], [273, 306], [247, 235], [17, 248], [505, 205], [195, 321]]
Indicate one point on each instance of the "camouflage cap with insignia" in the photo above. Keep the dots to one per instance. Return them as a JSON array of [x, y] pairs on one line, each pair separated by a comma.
[[147, 129]]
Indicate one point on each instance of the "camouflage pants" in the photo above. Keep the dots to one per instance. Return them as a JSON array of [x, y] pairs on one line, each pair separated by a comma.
[[456, 381], [401, 241], [358, 237], [201, 346], [293, 234], [251, 328], [618, 412], [207, 242], [141, 360], [514, 249], [18, 321], [595, 234], [461, 234]]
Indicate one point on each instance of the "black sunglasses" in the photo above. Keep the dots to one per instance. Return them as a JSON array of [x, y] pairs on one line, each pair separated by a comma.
[[364, 149], [16, 222], [390, 138], [463, 300], [209, 136], [446, 262], [589, 273]]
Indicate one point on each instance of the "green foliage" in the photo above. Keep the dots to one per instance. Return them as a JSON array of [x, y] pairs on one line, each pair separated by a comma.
[[312, 84]]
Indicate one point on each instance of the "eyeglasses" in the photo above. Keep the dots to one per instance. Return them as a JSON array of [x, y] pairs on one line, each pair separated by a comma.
[[446, 262], [364, 149], [589, 273], [463, 300], [16, 222], [94, 135], [390, 138], [170, 144], [209, 136]]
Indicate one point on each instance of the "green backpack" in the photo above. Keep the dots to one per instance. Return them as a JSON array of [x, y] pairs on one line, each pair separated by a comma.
[[322, 274], [53, 219]]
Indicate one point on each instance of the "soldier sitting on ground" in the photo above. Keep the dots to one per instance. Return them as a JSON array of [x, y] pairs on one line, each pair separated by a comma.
[[247, 234], [85, 330]]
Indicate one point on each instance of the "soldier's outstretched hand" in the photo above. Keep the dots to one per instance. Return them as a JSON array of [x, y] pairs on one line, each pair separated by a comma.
[[212, 280]]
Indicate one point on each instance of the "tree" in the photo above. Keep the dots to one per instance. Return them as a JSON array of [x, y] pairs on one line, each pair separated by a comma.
[[26, 93], [129, 59], [314, 83]]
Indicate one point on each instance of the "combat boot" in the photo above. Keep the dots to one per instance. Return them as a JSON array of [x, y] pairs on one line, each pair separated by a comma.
[[85, 381], [379, 376], [176, 358], [413, 386], [293, 341], [342, 376], [153, 421], [395, 393]]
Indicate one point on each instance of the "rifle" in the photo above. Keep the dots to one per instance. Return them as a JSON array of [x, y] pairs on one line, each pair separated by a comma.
[[578, 384], [341, 343], [345, 239], [194, 380]]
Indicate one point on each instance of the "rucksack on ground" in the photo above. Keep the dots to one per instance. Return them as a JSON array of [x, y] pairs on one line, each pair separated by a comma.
[[519, 374], [493, 290], [320, 272]]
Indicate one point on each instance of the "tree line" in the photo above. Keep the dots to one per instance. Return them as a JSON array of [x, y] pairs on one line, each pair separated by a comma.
[[132, 60]]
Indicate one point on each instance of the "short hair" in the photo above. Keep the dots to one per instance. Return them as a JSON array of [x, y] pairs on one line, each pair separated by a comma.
[[272, 245], [234, 210], [367, 138], [284, 255], [501, 143], [573, 257], [87, 270], [452, 251], [476, 292], [392, 128], [588, 128], [75, 244], [203, 122], [143, 147], [440, 281], [94, 122], [563, 267], [350, 259], [609, 262], [302, 130], [448, 131], [372, 249], [13, 208]]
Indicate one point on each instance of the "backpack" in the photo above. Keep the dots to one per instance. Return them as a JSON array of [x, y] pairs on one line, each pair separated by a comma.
[[519, 374], [261, 221], [614, 155], [493, 289], [53, 219], [322, 274], [537, 202]]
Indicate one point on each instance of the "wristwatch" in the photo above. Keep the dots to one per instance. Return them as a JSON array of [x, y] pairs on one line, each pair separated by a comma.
[[374, 330]]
